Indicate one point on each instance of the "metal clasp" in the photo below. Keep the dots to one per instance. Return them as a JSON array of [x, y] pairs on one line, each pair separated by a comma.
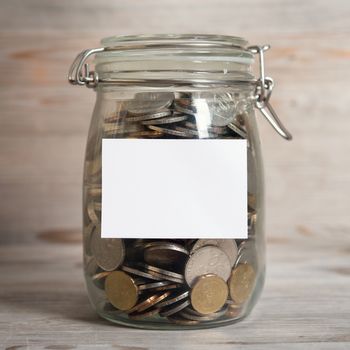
[[264, 87], [79, 72]]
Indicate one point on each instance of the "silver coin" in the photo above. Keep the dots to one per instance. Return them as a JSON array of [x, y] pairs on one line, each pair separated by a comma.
[[156, 115], [166, 120], [174, 299], [166, 277], [141, 273], [165, 255], [169, 131], [228, 246], [237, 130], [148, 102], [108, 252], [206, 260], [162, 271], [191, 110], [173, 309]]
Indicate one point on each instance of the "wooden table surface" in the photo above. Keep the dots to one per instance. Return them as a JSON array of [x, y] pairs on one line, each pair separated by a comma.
[[305, 303], [43, 129]]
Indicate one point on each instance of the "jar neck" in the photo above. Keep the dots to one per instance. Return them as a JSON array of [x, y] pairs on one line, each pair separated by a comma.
[[173, 59]]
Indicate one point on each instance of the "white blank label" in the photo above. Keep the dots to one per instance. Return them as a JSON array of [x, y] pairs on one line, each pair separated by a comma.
[[174, 188]]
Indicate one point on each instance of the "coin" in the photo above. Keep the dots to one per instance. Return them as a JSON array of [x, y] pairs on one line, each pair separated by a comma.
[[165, 255], [241, 283], [174, 308], [94, 167], [156, 115], [92, 214], [169, 131], [121, 290], [237, 130], [108, 252], [148, 302], [166, 120], [100, 275], [174, 298], [233, 310], [147, 102], [97, 206], [144, 314], [209, 294], [88, 232], [252, 201], [156, 285], [166, 277], [140, 273], [99, 279], [94, 191], [205, 260], [91, 268], [228, 246], [251, 221], [191, 314], [162, 271]]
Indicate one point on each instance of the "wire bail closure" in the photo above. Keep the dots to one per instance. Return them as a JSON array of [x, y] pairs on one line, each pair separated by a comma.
[[79, 72], [263, 91]]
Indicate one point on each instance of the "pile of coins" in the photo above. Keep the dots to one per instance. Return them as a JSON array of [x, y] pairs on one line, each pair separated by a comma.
[[184, 281], [170, 115]]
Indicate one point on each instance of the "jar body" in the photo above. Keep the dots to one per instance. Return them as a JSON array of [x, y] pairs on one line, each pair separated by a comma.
[[163, 296]]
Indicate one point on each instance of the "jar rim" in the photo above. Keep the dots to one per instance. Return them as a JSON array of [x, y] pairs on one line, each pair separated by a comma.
[[204, 40], [179, 47]]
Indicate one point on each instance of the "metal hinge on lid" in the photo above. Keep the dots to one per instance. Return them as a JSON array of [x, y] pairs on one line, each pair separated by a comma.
[[263, 91]]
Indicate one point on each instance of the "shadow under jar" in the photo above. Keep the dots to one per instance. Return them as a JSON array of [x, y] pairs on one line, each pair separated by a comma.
[[179, 90]]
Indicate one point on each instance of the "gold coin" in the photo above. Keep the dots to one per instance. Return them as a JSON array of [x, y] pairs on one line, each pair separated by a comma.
[[121, 290], [241, 283], [209, 294]]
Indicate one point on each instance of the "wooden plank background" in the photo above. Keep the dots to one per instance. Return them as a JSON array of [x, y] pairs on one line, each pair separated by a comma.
[[43, 129], [44, 121]]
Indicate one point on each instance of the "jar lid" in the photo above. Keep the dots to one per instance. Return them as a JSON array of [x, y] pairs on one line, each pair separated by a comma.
[[177, 47]]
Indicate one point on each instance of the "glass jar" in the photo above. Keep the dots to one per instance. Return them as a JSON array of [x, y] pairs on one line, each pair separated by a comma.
[[173, 203]]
